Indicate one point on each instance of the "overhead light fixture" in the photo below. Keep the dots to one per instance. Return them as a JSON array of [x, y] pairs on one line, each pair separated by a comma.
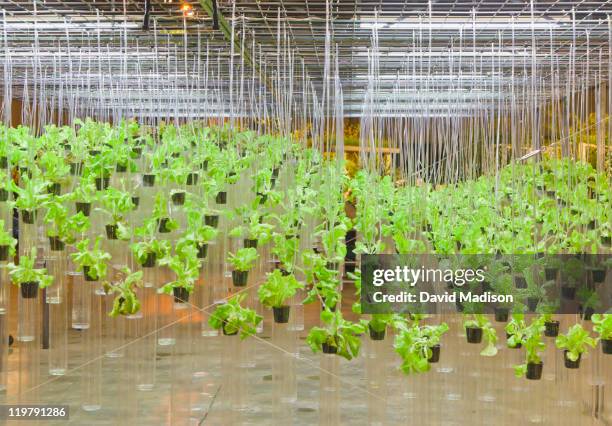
[[187, 9]]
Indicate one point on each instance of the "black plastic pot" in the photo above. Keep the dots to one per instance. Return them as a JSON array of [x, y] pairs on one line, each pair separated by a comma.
[[532, 303], [520, 282], [4, 253], [29, 290], [102, 183], [568, 292], [211, 220], [55, 189], [586, 313], [121, 168], [473, 334], [148, 179], [136, 202], [150, 260], [202, 250], [606, 241], [178, 198], [181, 295], [204, 165], [3, 195], [94, 152], [275, 172], [435, 354], [501, 314], [221, 198], [84, 208], [534, 371], [329, 349], [192, 178], [262, 197], [281, 314], [592, 225], [28, 216], [225, 333], [3, 162], [551, 328], [240, 278], [249, 243], [599, 275], [569, 363], [606, 346], [55, 244], [163, 225], [550, 274], [86, 274], [111, 231], [376, 335]]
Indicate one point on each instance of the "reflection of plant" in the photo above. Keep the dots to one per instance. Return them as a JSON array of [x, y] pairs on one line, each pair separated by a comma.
[[575, 342], [232, 318], [277, 289], [126, 302]]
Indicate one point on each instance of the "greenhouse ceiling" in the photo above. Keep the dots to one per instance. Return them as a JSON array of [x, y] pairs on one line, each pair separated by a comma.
[[479, 50]]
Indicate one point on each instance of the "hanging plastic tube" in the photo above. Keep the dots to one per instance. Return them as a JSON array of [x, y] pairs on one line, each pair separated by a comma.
[[329, 391], [146, 360], [91, 378], [58, 314], [4, 316]]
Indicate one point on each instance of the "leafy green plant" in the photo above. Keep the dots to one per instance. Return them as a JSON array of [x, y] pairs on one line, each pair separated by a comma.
[[92, 261], [7, 240], [324, 282], [515, 330], [339, 336], [414, 346], [64, 226], [33, 195], [286, 250], [116, 204], [532, 338], [277, 289], [575, 342], [126, 300], [26, 271], [602, 324], [480, 321], [244, 259], [186, 268], [232, 318]]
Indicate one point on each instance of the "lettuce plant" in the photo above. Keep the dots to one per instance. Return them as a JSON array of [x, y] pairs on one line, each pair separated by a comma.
[[278, 289], [92, 261], [575, 342], [126, 301], [26, 271], [232, 318], [339, 336], [244, 259]]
